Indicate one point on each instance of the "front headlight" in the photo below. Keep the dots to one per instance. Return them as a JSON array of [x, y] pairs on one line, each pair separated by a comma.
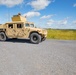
[[39, 31], [44, 31]]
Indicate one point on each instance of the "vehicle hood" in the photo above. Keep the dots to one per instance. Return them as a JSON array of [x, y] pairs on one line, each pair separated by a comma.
[[40, 30], [36, 29], [1, 26]]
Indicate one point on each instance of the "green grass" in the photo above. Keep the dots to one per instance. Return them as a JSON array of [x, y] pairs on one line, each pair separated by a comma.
[[61, 34]]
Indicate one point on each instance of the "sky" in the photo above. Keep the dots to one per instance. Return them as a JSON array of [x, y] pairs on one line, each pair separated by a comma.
[[56, 14]]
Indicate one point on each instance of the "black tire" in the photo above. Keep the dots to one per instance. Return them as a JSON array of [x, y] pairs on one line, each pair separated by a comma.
[[2, 36], [35, 38]]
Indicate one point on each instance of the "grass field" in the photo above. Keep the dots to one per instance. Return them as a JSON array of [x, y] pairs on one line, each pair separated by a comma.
[[61, 34]]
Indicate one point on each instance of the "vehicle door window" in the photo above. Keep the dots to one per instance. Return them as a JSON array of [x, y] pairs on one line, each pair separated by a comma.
[[27, 25], [10, 25], [19, 25]]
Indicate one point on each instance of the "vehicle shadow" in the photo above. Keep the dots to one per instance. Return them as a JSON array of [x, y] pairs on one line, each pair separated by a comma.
[[19, 41]]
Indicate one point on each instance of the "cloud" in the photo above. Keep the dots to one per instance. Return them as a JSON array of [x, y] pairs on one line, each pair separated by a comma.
[[40, 4], [60, 22], [50, 22], [10, 3], [74, 22], [63, 22], [74, 5], [31, 14], [46, 16]]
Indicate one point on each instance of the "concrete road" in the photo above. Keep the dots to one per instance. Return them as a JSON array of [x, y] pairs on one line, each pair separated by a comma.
[[51, 57]]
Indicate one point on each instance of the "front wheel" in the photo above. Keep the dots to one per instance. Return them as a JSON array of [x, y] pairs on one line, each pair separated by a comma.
[[2, 36], [35, 38]]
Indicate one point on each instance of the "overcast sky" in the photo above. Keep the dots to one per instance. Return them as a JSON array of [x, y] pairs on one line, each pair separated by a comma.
[[60, 14]]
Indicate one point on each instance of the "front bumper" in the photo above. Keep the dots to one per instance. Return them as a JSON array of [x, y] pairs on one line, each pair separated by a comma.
[[44, 34]]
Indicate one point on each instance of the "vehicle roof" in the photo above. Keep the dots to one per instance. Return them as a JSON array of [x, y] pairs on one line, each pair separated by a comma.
[[15, 22], [19, 22]]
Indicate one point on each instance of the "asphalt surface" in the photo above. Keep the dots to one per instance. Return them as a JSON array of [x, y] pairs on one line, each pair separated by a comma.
[[51, 57]]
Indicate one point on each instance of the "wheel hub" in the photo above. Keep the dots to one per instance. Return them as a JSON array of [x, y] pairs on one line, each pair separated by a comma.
[[35, 38]]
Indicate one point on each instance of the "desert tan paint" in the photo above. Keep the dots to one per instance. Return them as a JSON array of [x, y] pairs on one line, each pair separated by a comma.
[[23, 32]]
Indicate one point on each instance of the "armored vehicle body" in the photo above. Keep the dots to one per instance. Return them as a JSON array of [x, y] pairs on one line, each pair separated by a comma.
[[21, 28]]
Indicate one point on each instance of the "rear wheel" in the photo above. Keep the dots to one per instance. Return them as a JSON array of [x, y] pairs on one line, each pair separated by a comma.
[[2, 36], [35, 38]]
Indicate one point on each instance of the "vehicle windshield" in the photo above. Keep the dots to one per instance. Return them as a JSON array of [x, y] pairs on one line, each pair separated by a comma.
[[29, 25]]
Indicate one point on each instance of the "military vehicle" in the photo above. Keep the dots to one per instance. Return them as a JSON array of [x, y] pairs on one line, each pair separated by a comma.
[[22, 29]]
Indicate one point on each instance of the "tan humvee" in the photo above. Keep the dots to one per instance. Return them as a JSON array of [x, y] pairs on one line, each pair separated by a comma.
[[20, 28]]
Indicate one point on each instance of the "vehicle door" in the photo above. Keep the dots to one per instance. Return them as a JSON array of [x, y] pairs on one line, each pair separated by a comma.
[[27, 29], [11, 30], [19, 30]]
